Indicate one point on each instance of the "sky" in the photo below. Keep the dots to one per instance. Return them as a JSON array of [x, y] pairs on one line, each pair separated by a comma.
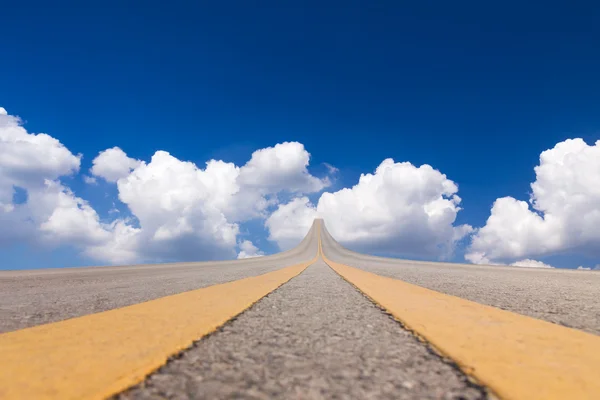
[[136, 132]]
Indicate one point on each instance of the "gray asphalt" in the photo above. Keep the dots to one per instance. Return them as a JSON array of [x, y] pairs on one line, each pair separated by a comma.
[[316, 337], [33, 297], [565, 297]]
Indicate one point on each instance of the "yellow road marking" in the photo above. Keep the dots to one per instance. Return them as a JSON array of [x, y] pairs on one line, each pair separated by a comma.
[[98, 355], [517, 357]]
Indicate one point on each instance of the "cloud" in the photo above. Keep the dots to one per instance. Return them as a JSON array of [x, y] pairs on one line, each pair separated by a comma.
[[281, 168], [50, 212], [179, 208], [124, 245], [332, 170], [113, 164], [175, 210], [400, 209], [29, 159], [596, 268], [90, 180], [179, 211], [249, 250], [528, 263], [290, 222], [563, 213], [176, 202], [183, 212]]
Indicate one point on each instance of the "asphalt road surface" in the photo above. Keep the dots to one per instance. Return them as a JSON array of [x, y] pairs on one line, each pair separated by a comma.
[[316, 336], [565, 297], [33, 297]]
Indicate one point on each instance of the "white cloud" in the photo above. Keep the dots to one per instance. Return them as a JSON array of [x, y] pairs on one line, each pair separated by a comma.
[[400, 209], [90, 180], [71, 220], [29, 159], [179, 208], [563, 213], [186, 212], [51, 213], [124, 245], [290, 222], [113, 164], [332, 170], [281, 168], [249, 250], [528, 263], [179, 211]]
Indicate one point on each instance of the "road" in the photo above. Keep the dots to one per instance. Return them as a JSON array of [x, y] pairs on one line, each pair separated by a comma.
[[565, 297], [314, 336], [33, 297]]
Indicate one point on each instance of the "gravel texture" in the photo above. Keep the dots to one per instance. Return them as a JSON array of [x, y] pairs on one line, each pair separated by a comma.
[[316, 337]]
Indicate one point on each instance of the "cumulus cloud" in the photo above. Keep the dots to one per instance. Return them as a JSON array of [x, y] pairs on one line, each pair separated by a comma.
[[179, 208], [113, 164], [248, 250], [175, 201], [290, 222], [181, 211], [528, 263], [400, 209], [281, 168], [50, 212], [28, 159], [563, 213], [184, 210], [176, 210]]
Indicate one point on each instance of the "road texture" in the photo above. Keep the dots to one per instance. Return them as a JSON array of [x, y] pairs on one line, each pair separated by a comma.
[[315, 337], [33, 297], [565, 297]]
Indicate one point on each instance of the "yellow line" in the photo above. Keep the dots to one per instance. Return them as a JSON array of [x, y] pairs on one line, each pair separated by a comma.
[[98, 355], [517, 357]]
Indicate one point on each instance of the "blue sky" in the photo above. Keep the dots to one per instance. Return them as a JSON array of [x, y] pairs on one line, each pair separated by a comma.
[[475, 90]]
